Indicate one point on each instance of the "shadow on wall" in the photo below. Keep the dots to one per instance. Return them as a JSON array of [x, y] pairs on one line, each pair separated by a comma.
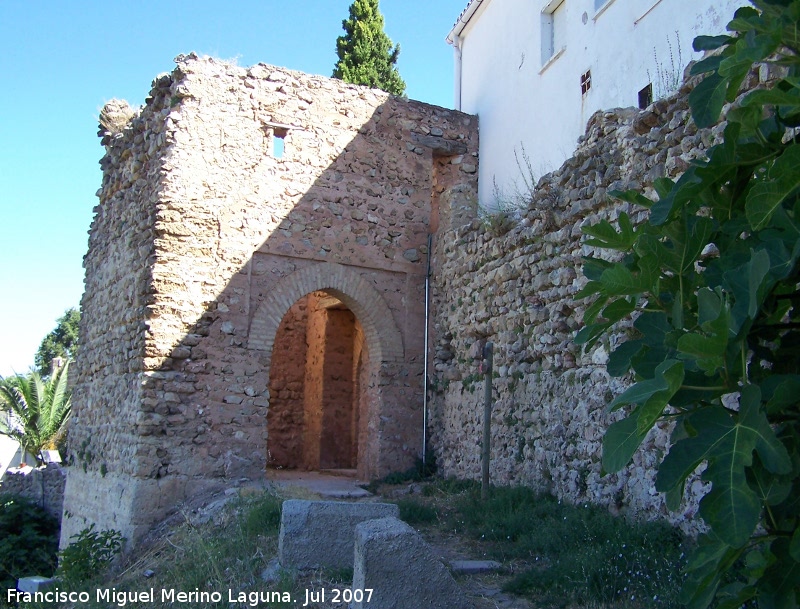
[[255, 286]]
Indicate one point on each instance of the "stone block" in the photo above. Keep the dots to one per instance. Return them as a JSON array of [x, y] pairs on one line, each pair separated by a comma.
[[35, 583], [395, 562], [318, 534], [473, 567]]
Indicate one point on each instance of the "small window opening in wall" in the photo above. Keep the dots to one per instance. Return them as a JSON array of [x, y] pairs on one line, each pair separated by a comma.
[[279, 142], [586, 82], [646, 96]]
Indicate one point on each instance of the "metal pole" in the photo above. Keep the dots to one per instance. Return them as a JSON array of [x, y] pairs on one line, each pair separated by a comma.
[[425, 361], [486, 367]]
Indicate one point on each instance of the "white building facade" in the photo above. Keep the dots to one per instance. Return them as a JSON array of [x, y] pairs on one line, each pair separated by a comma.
[[534, 71]]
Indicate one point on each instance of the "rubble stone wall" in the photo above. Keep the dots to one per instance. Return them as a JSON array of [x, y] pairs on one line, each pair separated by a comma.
[[42, 485], [517, 289], [108, 375], [337, 401], [285, 418], [206, 234], [314, 384]]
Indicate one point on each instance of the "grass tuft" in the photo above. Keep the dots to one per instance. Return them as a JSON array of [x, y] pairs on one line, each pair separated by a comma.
[[574, 553], [417, 473], [416, 512]]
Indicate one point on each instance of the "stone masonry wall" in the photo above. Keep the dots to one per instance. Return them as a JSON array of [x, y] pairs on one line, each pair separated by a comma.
[[205, 236], [337, 400], [518, 290], [361, 397], [314, 384], [42, 485], [108, 375], [286, 386]]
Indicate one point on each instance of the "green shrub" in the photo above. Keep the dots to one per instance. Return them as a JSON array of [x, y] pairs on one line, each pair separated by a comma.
[[89, 555], [228, 552], [415, 512], [262, 516], [28, 540], [420, 471], [339, 576], [615, 562]]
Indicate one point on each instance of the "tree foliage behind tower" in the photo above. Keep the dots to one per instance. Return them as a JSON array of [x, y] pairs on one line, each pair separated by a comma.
[[61, 342], [366, 54]]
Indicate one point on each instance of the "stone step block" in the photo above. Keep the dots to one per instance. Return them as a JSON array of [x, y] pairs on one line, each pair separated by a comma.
[[473, 567], [318, 534], [35, 583], [401, 569]]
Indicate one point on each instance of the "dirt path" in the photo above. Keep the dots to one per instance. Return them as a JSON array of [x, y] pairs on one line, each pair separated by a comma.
[[483, 590]]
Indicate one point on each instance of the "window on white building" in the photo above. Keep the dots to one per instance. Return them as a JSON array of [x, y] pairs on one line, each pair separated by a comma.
[[553, 29], [586, 82], [598, 4]]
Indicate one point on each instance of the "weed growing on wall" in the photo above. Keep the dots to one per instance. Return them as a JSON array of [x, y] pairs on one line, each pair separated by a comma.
[[507, 206], [712, 280], [668, 73], [500, 220]]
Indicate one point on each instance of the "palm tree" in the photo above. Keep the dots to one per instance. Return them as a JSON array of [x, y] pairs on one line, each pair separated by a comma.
[[37, 410]]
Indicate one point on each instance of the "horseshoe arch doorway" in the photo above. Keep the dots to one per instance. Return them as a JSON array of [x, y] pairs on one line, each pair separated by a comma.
[[328, 333]]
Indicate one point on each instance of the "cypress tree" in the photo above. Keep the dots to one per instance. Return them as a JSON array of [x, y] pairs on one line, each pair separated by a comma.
[[366, 54]]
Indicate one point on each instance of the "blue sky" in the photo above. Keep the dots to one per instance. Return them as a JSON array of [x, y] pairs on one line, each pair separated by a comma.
[[61, 60]]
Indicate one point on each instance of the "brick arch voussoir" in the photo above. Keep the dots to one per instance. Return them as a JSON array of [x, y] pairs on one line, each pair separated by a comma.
[[380, 331]]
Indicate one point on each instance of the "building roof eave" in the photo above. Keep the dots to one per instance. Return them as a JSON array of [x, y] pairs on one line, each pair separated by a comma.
[[463, 20]]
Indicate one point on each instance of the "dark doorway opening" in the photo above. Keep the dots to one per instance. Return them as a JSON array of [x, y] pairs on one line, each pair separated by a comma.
[[317, 404]]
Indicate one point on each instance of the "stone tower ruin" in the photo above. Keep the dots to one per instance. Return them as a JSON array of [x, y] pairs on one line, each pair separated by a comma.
[[255, 285]]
